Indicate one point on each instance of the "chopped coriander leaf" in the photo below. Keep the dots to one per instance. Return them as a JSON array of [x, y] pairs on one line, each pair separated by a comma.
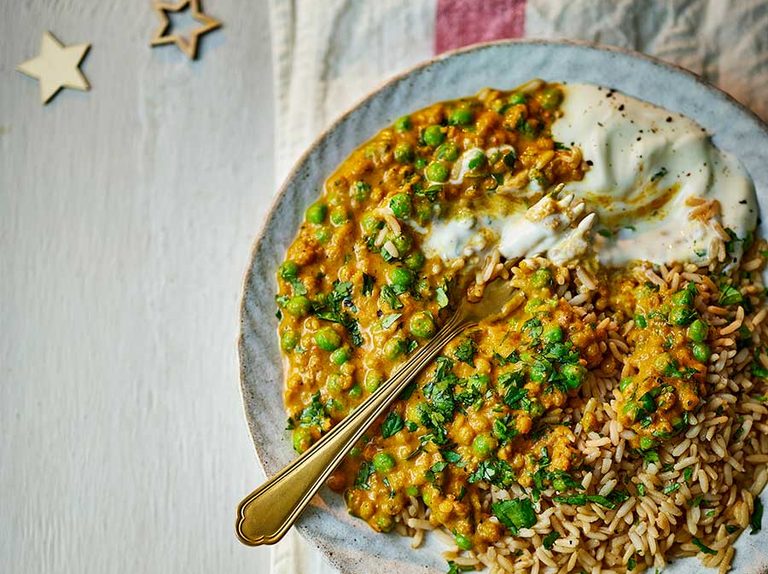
[[757, 517], [631, 563], [729, 295], [504, 429], [388, 320], [704, 548], [314, 414], [670, 488], [515, 514], [441, 296], [640, 489], [454, 568], [465, 352], [392, 425], [390, 298], [452, 457], [534, 329], [364, 475], [368, 283], [494, 471], [512, 358], [688, 474], [549, 539], [610, 502]]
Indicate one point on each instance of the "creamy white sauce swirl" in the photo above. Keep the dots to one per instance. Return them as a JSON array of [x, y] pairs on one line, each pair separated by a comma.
[[648, 167], [640, 152]]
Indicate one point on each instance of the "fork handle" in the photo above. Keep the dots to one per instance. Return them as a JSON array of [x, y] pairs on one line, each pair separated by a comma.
[[265, 515]]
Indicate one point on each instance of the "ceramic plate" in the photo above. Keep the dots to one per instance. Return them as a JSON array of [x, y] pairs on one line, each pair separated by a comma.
[[348, 543]]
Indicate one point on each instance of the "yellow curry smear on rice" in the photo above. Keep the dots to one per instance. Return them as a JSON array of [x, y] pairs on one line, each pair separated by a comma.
[[357, 295]]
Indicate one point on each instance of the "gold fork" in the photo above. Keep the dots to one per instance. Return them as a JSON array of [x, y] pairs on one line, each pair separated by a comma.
[[266, 514]]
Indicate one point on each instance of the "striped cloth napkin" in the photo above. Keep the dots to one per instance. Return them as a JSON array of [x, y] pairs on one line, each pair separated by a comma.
[[329, 54]]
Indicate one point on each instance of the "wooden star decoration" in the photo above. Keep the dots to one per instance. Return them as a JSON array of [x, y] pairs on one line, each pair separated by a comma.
[[188, 45], [57, 67]]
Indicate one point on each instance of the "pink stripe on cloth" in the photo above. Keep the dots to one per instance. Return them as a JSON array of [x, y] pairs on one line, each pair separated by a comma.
[[464, 22]]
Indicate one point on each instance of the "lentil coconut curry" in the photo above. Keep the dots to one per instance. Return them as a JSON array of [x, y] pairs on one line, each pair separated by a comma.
[[614, 418]]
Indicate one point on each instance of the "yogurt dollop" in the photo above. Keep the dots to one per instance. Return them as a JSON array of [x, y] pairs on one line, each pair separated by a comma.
[[660, 189], [654, 179]]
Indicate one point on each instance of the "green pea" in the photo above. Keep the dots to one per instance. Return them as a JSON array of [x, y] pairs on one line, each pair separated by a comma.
[[404, 153], [701, 352], [553, 334], [483, 445], [631, 409], [640, 321], [415, 261], [422, 325], [384, 523], [412, 490], [403, 244], [433, 136], [395, 348], [681, 316], [316, 213], [383, 462], [534, 408], [372, 380], [683, 297], [541, 278], [323, 234], [289, 270], [401, 205], [333, 384], [340, 356], [448, 152], [298, 306], [360, 191], [370, 223], [463, 542], [401, 277], [574, 375], [338, 216], [540, 372], [355, 392], [662, 361], [301, 438], [328, 339], [420, 163], [550, 98], [624, 384], [423, 211], [461, 116], [334, 405], [517, 99], [403, 124], [289, 340], [533, 304], [647, 443], [697, 331], [436, 171]]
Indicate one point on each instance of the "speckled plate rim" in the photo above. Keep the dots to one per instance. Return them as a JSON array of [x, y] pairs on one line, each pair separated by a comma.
[[347, 543]]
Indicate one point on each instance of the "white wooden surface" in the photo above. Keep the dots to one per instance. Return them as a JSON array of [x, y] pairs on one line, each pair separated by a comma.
[[126, 220]]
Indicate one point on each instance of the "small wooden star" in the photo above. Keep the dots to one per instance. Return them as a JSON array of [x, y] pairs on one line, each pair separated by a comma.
[[186, 45], [57, 67]]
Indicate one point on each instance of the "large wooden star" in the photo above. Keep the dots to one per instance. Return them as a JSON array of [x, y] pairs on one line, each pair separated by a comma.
[[56, 67], [188, 45]]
